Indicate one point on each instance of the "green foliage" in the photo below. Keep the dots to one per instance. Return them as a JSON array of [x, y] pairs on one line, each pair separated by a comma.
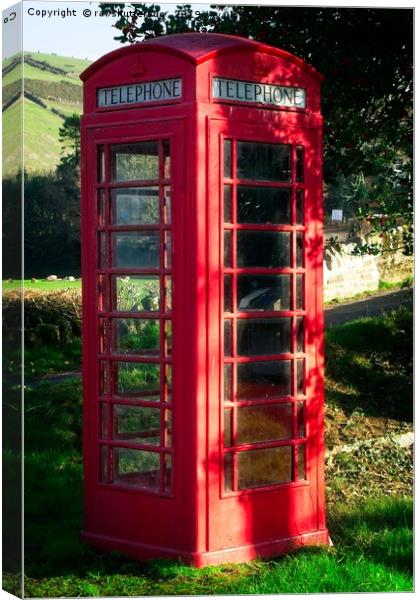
[[69, 138]]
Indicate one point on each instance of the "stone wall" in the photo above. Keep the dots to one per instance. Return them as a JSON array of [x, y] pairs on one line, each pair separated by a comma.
[[346, 275]]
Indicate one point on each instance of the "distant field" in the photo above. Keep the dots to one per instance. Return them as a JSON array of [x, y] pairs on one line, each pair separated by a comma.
[[41, 285]]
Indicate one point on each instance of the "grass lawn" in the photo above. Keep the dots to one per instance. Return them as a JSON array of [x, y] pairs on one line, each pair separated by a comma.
[[368, 383]]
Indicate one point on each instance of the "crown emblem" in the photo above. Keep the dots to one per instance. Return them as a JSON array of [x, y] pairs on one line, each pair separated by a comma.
[[137, 68]]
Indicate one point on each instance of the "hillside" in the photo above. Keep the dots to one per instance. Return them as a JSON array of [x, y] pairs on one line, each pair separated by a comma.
[[52, 91]]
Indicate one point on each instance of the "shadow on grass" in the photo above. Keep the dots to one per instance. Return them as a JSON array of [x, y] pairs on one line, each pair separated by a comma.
[[369, 363]]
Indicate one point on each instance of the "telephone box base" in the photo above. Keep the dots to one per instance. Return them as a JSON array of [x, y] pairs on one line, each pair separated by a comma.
[[203, 559]]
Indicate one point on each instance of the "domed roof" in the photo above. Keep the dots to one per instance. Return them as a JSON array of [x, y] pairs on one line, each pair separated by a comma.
[[197, 48]]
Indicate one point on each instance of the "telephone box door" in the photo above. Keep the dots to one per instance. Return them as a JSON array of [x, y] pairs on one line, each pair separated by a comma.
[[267, 427], [130, 356]]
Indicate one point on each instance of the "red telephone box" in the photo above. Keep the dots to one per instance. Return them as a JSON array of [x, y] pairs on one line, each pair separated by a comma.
[[202, 293]]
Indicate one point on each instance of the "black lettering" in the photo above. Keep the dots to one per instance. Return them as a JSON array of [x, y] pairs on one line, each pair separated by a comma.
[[130, 93], [267, 93], [168, 87], [114, 98], [147, 92], [157, 88], [288, 95], [139, 93], [238, 95], [177, 88], [277, 95], [248, 91], [258, 91], [229, 90]]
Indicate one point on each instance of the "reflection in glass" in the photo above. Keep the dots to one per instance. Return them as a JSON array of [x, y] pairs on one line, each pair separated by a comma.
[[105, 464], [168, 337], [227, 382], [166, 159], [168, 427], [301, 466], [301, 419], [300, 373], [135, 206], [266, 379], [136, 249], [102, 295], [227, 248], [228, 472], [167, 482], [299, 207], [134, 161], [227, 203], [137, 468], [104, 420], [299, 292], [264, 467], [136, 424], [262, 161], [136, 336], [168, 293], [134, 378], [299, 164], [263, 205], [263, 249], [264, 423], [300, 334], [228, 337], [227, 158], [167, 194], [136, 293], [227, 293], [103, 378], [299, 249], [263, 292], [168, 249], [101, 208], [102, 336], [103, 254], [227, 416], [263, 336]]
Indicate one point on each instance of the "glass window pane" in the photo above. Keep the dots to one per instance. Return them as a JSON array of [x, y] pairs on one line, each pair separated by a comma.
[[301, 419], [168, 382], [259, 161], [264, 205], [168, 427], [228, 472], [299, 164], [227, 158], [168, 216], [264, 467], [136, 424], [266, 379], [228, 338], [301, 474], [299, 207], [138, 379], [102, 251], [104, 425], [263, 292], [300, 334], [135, 206], [168, 337], [227, 415], [228, 293], [299, 292], [300, 372], [263, 249], [168, 293], [137, 249], [227, 203], [263, 336], [228, 248], [134, 161], [102, 295], [168, 249], [137, 468], [102, 336], [299, 249], [167, 158], [136, 336], [227, 383], [135, 293], [103, 378], [167, 480], [264, 423], [105, 464], [101, 207]]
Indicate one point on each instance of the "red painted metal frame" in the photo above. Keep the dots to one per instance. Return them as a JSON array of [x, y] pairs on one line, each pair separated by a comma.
[[199, 521]]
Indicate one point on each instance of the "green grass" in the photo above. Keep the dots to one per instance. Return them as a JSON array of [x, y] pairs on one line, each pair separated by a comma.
[[12, 137], [382, 287], [371, 531]]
